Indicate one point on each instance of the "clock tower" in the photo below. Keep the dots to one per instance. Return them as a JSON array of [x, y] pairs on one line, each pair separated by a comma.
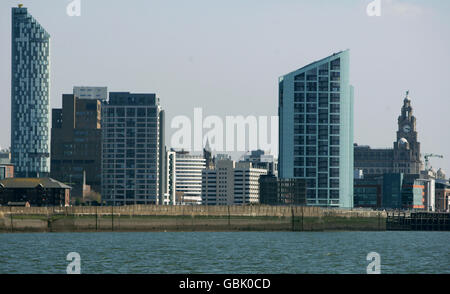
[[406, 148]]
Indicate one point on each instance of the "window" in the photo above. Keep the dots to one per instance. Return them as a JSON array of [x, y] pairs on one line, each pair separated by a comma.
[[311, 150], [300, 77], [334, 130], [299, 97], [334, 97], [334, 151], [311, 173], [334, 172], [334, 118], [120, 112], [334, 108], [311, 97], [299, 150], [299, 172], [311, 118], [299, 118], [335, 64], [299, 161], [334, 140], [299, 108], [311, 86], [299, 86], [335, 76], [335, 87], [311, 108], [310, 161]]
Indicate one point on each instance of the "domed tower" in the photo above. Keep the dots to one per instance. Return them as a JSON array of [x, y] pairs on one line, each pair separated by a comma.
[[406, 147]]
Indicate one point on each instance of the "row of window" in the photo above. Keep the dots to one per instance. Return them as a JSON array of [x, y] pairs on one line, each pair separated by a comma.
[[312, 172]]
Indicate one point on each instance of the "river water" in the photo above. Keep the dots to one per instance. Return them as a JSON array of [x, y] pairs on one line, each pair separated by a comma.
[[226, 252]]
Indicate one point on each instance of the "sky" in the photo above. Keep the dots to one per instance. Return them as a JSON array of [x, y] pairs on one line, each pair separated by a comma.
[[226, 57]]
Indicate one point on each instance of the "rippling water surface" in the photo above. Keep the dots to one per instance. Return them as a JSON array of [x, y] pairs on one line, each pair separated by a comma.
[[234, 252]]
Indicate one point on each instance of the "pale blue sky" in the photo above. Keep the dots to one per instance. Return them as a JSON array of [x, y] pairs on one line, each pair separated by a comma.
[[226, 56]]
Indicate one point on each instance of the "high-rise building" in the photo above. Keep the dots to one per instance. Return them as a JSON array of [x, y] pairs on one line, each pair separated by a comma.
[[133, 157], [316, 130], [188, 174], [30, 96], [231, 183], [97, 93], [403, 158], [76, 144]]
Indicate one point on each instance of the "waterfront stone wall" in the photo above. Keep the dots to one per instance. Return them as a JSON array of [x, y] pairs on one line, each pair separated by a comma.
[[187, 218]]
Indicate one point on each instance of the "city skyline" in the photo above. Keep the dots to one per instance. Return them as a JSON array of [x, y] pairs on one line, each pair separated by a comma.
[[397, 67]]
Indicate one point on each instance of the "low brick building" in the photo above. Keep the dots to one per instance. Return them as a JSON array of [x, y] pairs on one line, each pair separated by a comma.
[[33, 192]]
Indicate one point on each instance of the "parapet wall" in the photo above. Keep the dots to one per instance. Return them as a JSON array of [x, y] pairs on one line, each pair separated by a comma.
[[187, 218]]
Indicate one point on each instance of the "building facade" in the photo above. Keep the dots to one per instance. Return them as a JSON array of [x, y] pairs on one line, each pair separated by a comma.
[[231, 183], [170, 192], [76, 144], [133, 153], [260, 159], [96, 93], [442, 194], [30, 96], [404, 157], [276, 191], [316, 130], [188, 175], [6, 171], [368, 192], [34, 192]]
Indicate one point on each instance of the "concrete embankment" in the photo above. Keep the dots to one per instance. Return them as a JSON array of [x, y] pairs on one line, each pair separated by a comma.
[[187, 218]]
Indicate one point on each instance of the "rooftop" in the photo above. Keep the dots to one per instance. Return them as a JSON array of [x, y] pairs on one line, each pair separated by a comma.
[[29, 183]]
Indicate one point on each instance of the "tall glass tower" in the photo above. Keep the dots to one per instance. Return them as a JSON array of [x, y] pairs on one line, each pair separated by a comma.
[[30, 96], [316, 130]]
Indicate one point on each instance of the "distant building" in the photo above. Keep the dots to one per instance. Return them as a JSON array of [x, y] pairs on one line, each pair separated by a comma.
[[170, 192], [368, 192], [34, 192], [6, 171], [188, 174], [316, 130], [76, 144], [260, 159], [231, 183], [5, 156], [30, 96], [442, 194], [391, 191], [275, 191], [95, 93], [403, 158], [133, 149]]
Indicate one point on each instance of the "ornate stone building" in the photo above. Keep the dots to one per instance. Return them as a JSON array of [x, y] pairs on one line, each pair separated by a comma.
[[403, 158]]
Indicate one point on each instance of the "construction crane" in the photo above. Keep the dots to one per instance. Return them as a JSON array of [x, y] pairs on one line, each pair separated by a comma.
[[427, 157]]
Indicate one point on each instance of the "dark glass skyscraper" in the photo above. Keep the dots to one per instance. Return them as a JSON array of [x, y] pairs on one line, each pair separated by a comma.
[[133, 156], [30, 96]]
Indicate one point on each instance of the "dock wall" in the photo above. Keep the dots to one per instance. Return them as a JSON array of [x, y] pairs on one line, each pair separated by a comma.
[[187, 218]]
